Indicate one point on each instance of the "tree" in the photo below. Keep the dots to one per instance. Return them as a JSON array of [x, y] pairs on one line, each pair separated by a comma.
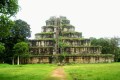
[[62, 45], [20, 31], [109, 46], [2, 49], [5, 27], [9, 7], [104, 42], [114, 48], [20, 48]]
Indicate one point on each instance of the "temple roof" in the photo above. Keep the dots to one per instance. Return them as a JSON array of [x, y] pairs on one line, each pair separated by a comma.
[[57, 20]]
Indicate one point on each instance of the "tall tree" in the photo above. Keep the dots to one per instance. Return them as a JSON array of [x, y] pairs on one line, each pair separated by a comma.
[[20, 48], [20, 31], [5, 27], [8, 8]]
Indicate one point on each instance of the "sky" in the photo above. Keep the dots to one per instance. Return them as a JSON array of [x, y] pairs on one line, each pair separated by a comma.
[[94, 18]]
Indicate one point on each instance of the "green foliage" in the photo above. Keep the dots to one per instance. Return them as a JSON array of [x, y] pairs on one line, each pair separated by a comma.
[[62, 56], [63, 45], [9, 7], [5, 26], [2, 48], [20, 31], [21, 48], [109, 46], [104, 42]]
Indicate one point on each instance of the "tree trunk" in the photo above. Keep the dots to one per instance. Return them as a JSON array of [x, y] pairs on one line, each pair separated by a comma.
[[2, 60], [18, 61], [13, 61], [61, 50]]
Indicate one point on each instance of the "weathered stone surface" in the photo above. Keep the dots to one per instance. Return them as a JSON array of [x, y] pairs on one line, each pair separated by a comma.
[[59, 30], [73, 59]]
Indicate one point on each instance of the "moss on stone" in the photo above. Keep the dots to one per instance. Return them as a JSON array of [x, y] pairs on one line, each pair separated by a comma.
[[44, 33]]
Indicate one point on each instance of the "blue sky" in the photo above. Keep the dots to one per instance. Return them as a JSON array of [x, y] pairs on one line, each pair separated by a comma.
[[94, 18]]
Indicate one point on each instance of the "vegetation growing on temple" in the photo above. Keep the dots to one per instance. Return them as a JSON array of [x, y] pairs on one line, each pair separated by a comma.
[[59, 40], [57, 37]]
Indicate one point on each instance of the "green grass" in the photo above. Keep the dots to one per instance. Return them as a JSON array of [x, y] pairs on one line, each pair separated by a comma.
[[25, 72], [108, 71], [105, 71]]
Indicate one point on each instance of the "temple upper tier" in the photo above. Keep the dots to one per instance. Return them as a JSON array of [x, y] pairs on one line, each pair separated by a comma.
[[61, 20], [57, 33]]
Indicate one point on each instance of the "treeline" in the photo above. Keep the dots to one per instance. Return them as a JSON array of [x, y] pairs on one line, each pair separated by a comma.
[[109, 46], [14, 34]]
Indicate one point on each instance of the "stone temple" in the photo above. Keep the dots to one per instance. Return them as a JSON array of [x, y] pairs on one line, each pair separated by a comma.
[[59, 38]]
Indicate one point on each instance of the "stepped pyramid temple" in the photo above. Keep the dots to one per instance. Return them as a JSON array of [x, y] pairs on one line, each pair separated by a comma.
[[59, 42]]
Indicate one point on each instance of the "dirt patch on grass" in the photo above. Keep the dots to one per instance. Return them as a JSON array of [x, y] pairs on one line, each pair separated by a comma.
[[59, 74]]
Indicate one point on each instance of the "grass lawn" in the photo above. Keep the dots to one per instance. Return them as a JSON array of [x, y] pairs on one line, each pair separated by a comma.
[[107, 71], [26, 72]]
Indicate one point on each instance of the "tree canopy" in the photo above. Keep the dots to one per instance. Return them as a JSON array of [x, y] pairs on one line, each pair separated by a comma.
[[109, 46], [20, 31], [5, 26], [12, 32], [2, 48], [20, 48], [9, 7]]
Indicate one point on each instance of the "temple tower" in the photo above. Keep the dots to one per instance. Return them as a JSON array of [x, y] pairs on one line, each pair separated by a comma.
[[58, 36], [60, 28]]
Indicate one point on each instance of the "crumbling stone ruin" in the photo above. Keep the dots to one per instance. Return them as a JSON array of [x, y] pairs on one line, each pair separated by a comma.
[[59, 42]]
